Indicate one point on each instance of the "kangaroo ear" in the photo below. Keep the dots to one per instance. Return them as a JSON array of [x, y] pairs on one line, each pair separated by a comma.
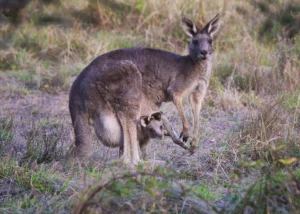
[[189, 27], [156, 115], [213, 26], [145, 120]]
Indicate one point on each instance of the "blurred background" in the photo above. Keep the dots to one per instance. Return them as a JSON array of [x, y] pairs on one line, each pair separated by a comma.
[[257, 48], [248, 161]]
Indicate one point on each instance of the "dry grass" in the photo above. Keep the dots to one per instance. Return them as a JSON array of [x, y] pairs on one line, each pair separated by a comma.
[[247, 158]]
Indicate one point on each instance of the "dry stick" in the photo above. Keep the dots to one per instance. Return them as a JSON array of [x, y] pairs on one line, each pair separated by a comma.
[[225, 4], [88, 195], [183, 206], [201, 14]]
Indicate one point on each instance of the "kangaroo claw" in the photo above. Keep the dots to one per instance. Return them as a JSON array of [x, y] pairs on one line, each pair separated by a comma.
[[183, 137], [192, 149]]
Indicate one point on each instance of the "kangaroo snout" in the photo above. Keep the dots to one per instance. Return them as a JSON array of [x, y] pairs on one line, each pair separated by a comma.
[[159, 136], [202, 55]]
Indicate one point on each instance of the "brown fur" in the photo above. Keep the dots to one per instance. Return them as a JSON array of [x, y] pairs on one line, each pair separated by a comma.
[[149, 127], [128, 83]]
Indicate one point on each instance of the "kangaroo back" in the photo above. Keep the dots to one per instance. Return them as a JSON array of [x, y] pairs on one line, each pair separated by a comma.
[[128, 82]]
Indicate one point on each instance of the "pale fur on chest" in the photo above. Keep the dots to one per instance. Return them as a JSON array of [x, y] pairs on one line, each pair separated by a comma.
[[200, 79]]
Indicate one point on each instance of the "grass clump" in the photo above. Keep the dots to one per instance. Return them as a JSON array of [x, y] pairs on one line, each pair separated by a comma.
[[25, 189], [6, 125], [44, 144], [274, 191], [153, 192], [269, 149]]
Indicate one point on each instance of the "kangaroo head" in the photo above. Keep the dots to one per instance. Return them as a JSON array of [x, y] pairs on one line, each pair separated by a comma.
[[201, 44], [153, 125]]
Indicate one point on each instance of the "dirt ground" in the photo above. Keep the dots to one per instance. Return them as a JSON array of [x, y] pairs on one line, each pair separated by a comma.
[[49, 110]]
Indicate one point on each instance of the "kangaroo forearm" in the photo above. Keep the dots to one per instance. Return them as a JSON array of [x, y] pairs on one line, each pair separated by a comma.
[[172, 133]]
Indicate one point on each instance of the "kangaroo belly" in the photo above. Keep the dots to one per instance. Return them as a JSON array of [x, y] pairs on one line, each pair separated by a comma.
[[108, 130]]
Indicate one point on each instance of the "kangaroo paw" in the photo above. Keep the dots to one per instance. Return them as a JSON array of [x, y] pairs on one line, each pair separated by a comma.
[[184, 137]]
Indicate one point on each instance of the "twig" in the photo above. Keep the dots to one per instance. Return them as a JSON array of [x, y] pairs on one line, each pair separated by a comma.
[[90, 194]]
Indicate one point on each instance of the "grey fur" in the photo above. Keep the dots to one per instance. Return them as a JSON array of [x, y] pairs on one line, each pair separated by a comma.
[[129, 83]]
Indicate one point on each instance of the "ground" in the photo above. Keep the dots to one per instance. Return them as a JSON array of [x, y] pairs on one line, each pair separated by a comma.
[[247, 159]]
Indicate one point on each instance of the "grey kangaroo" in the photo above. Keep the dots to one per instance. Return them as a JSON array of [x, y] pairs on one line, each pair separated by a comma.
[[112, 101], [118, 87], [149, 127]]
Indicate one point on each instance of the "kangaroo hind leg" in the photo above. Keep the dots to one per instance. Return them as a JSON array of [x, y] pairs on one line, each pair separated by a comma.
[[196, 100], [130, 144], [82, 136]]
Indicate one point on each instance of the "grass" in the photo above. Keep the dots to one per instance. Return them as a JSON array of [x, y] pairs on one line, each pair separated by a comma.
[[5, 129], [29, 186], [247, 160]]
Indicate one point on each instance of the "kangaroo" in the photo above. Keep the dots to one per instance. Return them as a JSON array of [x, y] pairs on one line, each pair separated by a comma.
[[110, 101], [120, 86], [149, 127]]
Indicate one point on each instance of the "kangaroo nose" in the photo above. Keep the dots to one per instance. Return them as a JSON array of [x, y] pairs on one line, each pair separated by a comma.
[[159, 135], [203, 52]]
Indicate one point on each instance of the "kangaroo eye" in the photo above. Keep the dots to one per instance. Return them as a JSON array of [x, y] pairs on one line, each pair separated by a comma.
[[195, 42], [161, 127], [210, 41]]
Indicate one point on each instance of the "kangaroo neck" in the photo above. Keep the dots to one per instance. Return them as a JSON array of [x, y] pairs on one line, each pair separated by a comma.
[[201, 69]]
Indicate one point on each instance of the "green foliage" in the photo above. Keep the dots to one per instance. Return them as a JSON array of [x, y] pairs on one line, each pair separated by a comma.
[[273, 191], [273, 154], [36, 183], [204, 192], [120, 40], [25, 178], [292, 101], [151, 192], [5, 130], [140, 5]]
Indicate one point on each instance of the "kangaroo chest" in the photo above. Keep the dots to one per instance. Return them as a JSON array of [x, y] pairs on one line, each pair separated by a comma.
[[198, 78]]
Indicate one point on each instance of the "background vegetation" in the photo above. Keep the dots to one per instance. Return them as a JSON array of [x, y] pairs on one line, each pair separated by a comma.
[[248, 158]]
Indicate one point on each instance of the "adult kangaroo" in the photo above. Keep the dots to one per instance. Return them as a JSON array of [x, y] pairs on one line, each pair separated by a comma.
[[117, 93]]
